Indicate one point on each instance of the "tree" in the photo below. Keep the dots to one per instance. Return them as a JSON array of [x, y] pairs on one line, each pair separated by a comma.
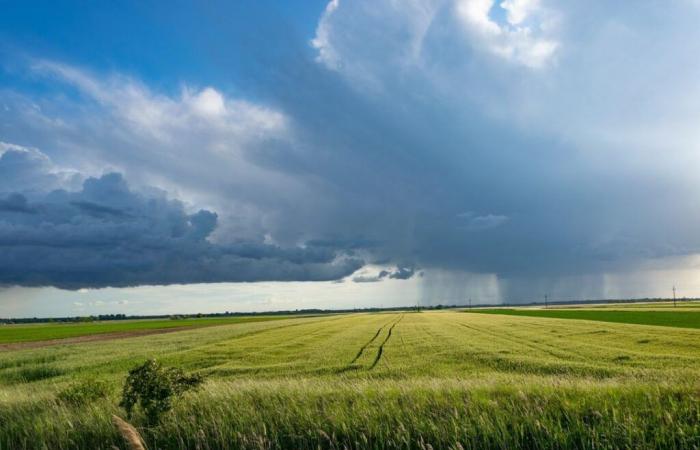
[[153, 388]]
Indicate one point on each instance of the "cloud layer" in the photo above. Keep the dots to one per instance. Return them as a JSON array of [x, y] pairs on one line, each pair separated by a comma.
[[105, 234], [524, 141]]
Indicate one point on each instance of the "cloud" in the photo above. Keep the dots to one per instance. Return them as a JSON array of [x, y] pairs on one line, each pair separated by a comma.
[[402, 273], [374, 274], [16, 203], [29, 168], [472, 222], [519, 10], [107, 234], [521, 141], [525, 37], [321, 42]]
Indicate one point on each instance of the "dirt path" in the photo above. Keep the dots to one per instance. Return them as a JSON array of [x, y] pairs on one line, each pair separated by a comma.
[[90, 338]]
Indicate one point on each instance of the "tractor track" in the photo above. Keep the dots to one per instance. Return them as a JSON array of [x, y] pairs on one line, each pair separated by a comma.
[[368, 343], [380, 351]]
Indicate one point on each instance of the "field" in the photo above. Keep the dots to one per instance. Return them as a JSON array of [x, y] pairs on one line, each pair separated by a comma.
[[413, 380], [12, 334], [685, 319]]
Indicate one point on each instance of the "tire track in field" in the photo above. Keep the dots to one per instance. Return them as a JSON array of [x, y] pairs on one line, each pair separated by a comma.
[[368, 343], [380, 351]]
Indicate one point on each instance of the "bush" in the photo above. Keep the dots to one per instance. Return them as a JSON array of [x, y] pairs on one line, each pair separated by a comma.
[[152, 387], [84, 392]]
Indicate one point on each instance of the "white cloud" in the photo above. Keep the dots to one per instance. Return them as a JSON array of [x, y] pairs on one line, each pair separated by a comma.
[[350, 35], [476, 14], [322, 41], [519, 10], [470, 221], [164, 117], [29, 169], [5, 146], [207, 102], [201, 144], [522, 39]]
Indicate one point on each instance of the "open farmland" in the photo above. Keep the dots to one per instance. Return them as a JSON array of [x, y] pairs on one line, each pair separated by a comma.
[[13, 334], [687, 318], [388, 380]]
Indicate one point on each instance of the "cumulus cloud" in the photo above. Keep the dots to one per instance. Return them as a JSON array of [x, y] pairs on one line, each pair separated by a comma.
[[106, 234], [526, 35]]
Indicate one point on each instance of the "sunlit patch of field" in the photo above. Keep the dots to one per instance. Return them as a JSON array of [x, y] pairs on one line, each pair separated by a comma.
[[393, 380]]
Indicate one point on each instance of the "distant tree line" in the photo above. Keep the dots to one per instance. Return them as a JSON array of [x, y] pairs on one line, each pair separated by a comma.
[[107, 317]]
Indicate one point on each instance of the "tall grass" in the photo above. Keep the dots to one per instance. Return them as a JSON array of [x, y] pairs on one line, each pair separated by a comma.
[[383, 415]]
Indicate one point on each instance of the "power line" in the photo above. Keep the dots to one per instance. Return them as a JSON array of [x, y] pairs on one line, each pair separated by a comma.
[[674, 296]]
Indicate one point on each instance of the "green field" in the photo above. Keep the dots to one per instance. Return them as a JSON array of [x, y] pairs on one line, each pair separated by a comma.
[[388, 380], [665, 318], [47, 331]]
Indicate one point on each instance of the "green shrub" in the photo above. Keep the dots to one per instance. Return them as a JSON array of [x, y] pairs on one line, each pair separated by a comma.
[[84, 392], [152, 387]]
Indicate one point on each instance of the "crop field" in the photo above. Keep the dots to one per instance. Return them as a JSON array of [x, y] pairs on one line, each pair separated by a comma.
[[10, 334], [413, 380], [685, 319]]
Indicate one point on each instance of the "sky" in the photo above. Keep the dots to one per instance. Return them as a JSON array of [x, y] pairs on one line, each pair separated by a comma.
[[259, 155]]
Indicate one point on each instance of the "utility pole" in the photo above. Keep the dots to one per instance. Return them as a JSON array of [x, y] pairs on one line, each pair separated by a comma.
[[545, 301], [470, 303], [674, 296]]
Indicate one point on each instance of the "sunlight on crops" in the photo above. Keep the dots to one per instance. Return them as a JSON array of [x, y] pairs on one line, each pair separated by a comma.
[[385, 380]]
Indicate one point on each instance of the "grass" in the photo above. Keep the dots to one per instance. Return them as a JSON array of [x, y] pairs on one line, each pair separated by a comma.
[[684, 319], [46, 331], [412, 381]]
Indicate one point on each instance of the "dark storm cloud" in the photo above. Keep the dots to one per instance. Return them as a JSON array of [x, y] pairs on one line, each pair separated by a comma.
[[399, 273], [16, 203], [402, 273], [98, 210], [108, 235]]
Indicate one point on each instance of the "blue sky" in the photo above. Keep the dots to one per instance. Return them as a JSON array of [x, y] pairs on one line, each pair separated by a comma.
[[157, 43], [334, 153]]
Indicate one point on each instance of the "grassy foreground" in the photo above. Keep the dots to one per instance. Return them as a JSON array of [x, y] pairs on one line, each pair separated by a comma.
[[412, 381]]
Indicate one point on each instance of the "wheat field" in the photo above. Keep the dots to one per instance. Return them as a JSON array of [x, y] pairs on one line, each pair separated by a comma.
[[442, 379]]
